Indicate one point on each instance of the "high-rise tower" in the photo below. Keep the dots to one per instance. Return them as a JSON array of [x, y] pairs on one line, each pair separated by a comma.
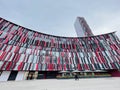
[[82, 28]]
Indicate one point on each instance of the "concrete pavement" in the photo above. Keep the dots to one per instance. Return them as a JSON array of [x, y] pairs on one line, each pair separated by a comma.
[[63, 84]]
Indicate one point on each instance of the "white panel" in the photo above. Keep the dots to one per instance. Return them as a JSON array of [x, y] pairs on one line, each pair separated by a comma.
[[5, 75], [21, 57], [35, 59], [28, 51], [20, 76]]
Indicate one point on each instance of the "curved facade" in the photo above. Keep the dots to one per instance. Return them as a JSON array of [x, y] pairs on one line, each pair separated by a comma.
[[22, 49]]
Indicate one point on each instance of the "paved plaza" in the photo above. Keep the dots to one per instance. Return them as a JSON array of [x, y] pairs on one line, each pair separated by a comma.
[[63, 84]]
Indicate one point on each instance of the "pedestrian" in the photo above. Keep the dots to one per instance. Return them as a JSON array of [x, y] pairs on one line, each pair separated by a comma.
[[76, 77]]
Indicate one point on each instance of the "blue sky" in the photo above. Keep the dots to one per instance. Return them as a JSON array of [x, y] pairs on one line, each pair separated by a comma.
[[57, 17]]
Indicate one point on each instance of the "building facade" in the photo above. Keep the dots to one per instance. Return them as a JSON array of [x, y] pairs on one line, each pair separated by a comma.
[[25, 53]]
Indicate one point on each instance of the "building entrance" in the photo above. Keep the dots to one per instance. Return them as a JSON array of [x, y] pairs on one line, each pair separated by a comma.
[[13, 75], [47, 74]]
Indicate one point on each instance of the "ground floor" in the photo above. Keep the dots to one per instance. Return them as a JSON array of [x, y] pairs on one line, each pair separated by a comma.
[[64, 84], [30, 75], [26, 75]]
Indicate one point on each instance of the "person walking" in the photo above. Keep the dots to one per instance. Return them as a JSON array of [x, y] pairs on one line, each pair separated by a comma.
[[76, 77]]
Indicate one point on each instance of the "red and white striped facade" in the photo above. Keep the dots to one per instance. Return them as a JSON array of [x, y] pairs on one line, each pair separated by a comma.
[[22, 49]]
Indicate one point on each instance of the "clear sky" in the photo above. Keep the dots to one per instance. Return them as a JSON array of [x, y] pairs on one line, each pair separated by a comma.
[[57, 17]]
